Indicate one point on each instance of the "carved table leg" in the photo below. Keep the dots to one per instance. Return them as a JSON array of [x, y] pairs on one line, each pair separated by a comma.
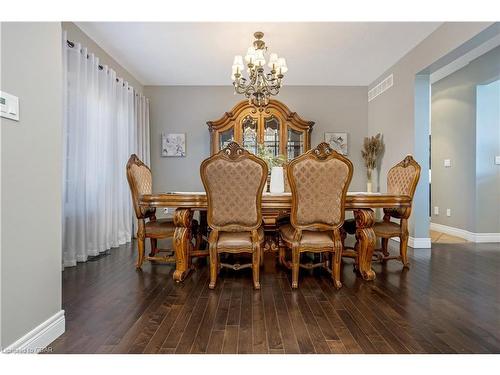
[[365, 241], [182, 243]]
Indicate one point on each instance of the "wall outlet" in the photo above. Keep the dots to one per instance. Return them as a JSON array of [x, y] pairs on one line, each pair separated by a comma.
[[447, 163], [448, 212], [497, 160], [165, 211], [436, 210]]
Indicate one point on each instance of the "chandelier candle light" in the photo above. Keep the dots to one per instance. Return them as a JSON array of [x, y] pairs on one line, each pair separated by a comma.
[[259, 86]]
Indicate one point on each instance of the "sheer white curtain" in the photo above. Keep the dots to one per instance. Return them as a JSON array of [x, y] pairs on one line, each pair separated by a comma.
[[101, 130], [142, 118]]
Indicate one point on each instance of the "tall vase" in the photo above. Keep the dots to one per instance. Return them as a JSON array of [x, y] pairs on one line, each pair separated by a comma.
[[277, 180], [369, 187]]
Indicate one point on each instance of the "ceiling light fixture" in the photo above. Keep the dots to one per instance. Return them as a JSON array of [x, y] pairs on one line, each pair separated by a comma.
[[259, 86]]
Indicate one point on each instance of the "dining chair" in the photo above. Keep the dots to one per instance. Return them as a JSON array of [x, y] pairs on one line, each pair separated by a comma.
[[234, 181], [319, 180], [148, 226], [402, 179]]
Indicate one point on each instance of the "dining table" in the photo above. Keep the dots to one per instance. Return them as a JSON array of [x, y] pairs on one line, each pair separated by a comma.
[[362, 204]]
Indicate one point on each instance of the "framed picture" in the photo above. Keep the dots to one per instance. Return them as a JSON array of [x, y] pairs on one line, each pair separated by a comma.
[[337, 141], [173, 144]]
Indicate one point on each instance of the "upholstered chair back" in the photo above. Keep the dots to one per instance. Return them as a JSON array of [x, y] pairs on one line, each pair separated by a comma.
[[403, 177], [234, 180], [140, 181], [319, 180]]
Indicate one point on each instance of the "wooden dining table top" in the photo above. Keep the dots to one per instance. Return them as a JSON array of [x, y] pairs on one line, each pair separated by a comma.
[[198, 200]]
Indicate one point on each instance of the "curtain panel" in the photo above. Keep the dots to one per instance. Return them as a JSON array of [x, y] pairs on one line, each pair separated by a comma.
[[104, 122]]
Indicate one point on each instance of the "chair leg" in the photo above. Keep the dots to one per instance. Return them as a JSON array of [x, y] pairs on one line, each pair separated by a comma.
[[140, 252], [213, 266], [256, 255], [295, 267], [403, 244], [385, 245], [337, 262], [154, 247], [403, 248], [261, 255]]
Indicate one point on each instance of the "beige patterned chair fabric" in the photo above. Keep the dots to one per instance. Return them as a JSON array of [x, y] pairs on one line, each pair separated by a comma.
[[141, 182], [400, 180], [233, 187], [319, 190]]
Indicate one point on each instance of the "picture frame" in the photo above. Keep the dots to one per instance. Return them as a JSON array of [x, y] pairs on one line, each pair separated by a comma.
[[338, 141], [173, 144]]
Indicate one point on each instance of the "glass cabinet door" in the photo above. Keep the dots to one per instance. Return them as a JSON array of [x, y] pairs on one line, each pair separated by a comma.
[[226, 137], [249, 134], [295, 144], [272, 135]]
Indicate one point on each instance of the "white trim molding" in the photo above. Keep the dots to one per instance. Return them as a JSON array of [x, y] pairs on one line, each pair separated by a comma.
[[38, 338], [417, 242], [466, 235]]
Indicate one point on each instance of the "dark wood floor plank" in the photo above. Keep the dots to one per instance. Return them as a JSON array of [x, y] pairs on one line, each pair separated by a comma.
[[290, 344], [258, 324], [215, 342], [245, 339], [206, 325], [317, 338], [272, 327], [297, 322], [223, 308], [184, 317], [230, 345]]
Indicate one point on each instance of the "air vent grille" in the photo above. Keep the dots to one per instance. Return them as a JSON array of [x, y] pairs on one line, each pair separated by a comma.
[[380, 88]]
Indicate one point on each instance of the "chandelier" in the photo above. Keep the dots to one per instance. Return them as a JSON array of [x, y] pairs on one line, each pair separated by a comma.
[[259, 86]]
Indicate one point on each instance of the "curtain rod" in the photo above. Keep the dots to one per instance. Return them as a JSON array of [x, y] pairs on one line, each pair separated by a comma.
[[100, 67]]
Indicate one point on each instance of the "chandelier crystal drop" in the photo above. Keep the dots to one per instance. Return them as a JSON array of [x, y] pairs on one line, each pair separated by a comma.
[[258, 86]]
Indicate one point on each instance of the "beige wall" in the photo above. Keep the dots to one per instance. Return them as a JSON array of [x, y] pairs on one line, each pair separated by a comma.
[[471, 193], [393, 112], [31, 160], [75, 34], [186, 109]]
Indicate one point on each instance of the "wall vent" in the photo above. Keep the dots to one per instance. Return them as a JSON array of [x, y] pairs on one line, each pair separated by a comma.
[[386, 84]]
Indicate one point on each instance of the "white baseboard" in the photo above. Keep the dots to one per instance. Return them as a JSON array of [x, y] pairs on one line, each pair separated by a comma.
[[37, 339], [417, 242], [466, 235]]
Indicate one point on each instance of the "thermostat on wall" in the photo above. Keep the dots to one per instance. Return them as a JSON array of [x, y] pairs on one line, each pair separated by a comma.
[[9, 106]]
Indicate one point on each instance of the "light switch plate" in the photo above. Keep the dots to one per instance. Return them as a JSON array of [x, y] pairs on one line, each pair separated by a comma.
[[448, 212], [436, 210], [9, 106], [447, 163], [497, 160]]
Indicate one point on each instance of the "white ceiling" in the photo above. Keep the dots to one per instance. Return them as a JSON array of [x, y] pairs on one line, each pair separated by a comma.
[[333, 53]]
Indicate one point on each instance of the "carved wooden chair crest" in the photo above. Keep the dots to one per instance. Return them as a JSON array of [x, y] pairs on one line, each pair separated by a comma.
[[401, 179], [234, 180], [319, 180]]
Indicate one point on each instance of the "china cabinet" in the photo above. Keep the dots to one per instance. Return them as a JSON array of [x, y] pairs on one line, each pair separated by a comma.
[[279, 129]]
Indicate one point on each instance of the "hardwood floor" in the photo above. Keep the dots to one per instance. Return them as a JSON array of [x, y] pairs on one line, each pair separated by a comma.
[[438, 237], [447, 303]]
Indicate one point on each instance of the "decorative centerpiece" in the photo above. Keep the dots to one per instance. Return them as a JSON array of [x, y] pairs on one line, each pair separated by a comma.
[[275, 165], [372, 149]]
